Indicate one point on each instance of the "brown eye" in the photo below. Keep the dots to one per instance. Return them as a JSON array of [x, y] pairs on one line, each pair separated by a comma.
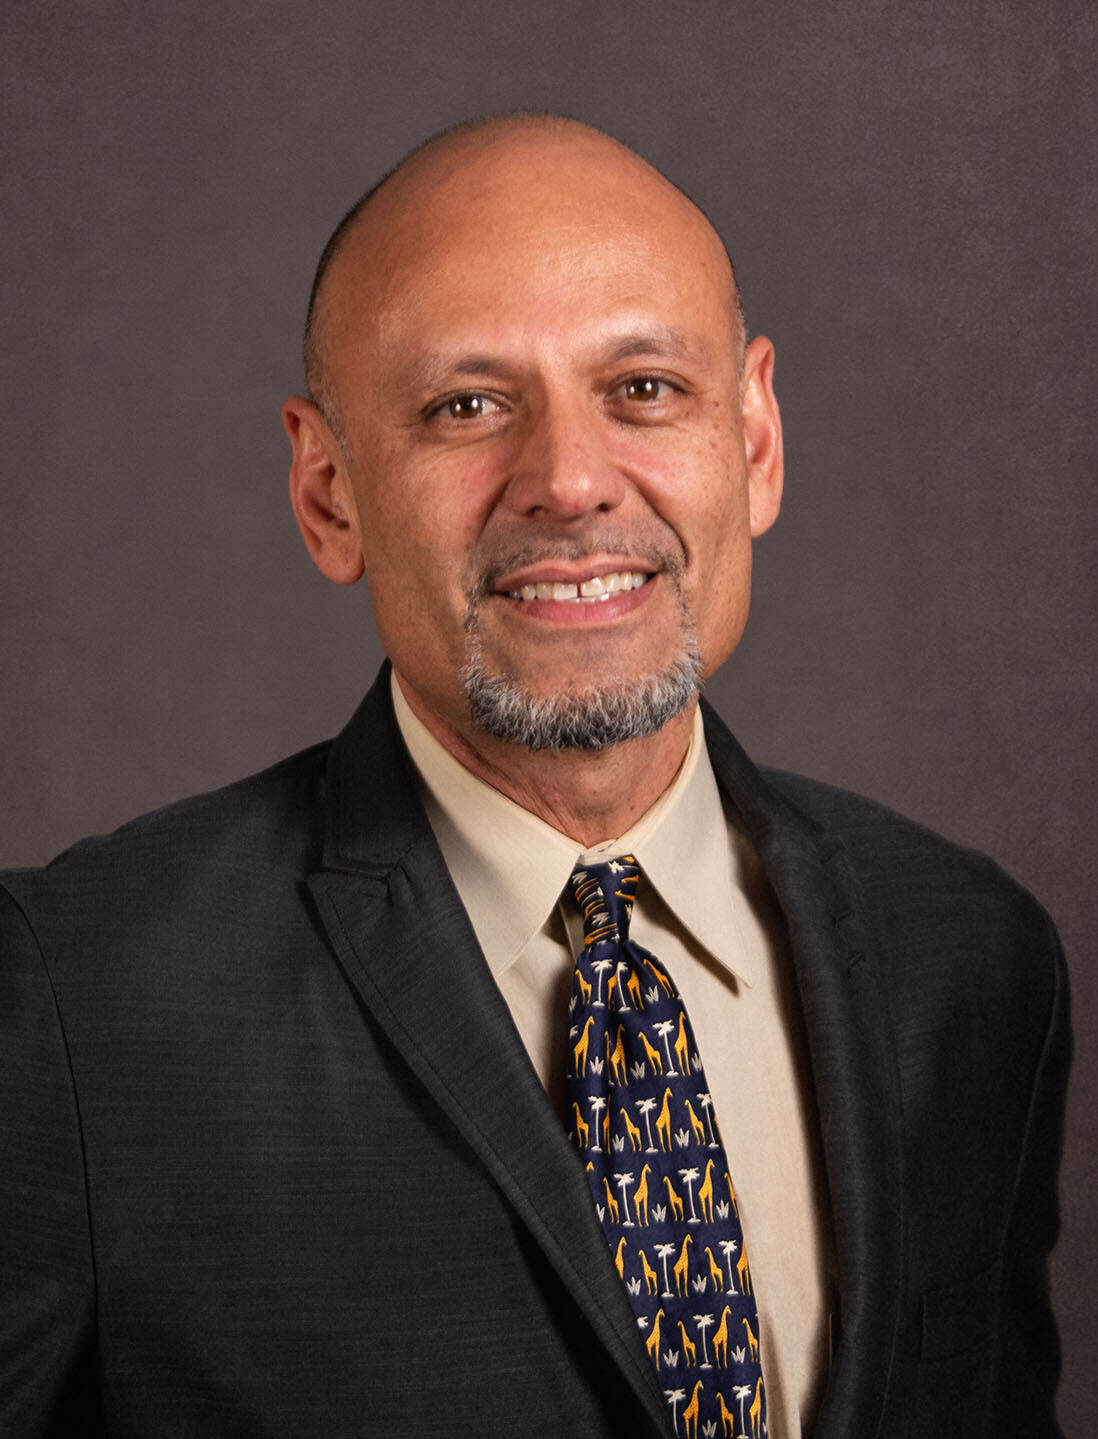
[[466, 407], [646, 387], [463, 408]]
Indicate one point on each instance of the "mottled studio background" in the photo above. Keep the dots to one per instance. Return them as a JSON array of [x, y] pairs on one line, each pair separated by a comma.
[[908, 191]]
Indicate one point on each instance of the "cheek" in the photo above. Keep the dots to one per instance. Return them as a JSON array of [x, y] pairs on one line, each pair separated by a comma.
[[723, 590], [705, 500], [695, 484], [421, 519], [423, 513]]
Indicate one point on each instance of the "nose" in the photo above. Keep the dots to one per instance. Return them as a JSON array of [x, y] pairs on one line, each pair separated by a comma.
[[562, 469]]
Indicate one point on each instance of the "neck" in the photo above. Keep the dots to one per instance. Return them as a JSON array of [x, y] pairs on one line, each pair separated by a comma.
[[588, 795]]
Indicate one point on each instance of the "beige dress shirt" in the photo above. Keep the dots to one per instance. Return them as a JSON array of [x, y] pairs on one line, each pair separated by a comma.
[[704, 911]]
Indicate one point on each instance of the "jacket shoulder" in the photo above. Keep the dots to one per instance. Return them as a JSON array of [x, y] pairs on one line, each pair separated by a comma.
[[905, 869], [269, 820]]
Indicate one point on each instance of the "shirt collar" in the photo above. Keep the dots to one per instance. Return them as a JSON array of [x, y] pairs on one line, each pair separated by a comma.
[[510, 868]]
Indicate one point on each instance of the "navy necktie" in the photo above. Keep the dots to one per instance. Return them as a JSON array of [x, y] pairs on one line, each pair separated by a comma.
[[641, 1115]]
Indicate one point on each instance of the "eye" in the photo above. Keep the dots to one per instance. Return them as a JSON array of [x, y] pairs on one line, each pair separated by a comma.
[[647, 388], [470, 405]]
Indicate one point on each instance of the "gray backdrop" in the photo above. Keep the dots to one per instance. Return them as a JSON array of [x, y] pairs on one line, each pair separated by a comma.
[[904, 188]]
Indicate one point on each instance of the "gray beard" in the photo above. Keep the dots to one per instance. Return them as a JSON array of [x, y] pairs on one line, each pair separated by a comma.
[[603, 714], [590, 719]]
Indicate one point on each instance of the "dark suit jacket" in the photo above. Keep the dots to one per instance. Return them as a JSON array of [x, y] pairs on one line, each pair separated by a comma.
[[276, 1162]]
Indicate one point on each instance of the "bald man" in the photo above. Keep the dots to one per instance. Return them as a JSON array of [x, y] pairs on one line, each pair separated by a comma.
[[289, 1078]]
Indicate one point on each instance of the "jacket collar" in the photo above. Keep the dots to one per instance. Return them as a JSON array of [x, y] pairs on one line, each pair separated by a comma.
[[405, 942], [853, 1066], [398, 927]]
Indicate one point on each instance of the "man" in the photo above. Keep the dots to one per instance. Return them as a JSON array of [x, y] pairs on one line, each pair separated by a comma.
[[292, 1091]]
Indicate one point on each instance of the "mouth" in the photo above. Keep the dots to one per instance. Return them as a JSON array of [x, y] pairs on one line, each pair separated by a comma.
[[595, 589]]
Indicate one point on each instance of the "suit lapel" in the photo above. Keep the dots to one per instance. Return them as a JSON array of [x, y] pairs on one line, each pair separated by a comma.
[[398, 927], [857, 1089], [405, 942]]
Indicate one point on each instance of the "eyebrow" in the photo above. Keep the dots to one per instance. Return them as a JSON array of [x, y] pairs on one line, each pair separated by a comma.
[[429, 371], [437, 368], [655, 340]]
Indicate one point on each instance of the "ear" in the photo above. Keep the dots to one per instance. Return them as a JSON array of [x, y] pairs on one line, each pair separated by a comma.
[[321, 493], [762, 436]]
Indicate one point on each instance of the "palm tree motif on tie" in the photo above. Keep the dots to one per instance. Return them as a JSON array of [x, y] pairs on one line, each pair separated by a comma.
[[663, 1254], [645, 1108], [663, 1029], [624, 1068], [743, 1391], [675, 1398], [688, 1176], [728, 1248], [597, 1104], [706, 1102], [704, 1322], [625, 1180]]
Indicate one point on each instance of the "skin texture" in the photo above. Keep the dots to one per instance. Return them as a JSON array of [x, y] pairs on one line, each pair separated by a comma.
[[531, 359]]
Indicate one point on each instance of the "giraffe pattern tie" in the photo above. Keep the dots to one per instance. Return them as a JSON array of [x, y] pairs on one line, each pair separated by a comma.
[[678, 1249]]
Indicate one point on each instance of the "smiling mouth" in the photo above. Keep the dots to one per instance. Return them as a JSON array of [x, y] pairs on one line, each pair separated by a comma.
[[595, 590]]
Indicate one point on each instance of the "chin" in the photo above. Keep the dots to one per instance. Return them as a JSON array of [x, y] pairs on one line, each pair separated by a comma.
[[588, 716]]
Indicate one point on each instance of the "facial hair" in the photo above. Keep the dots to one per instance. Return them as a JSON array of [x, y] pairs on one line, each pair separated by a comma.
[[610, 711]]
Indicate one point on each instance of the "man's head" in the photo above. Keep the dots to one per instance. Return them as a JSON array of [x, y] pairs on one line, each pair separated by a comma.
[[528, 362], [316, 378]]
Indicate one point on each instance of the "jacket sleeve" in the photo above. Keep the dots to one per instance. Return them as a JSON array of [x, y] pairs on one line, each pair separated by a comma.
[[47, 1292], [1028, 1368]]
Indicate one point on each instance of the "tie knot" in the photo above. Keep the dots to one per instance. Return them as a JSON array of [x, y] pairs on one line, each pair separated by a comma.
[[604, 896]]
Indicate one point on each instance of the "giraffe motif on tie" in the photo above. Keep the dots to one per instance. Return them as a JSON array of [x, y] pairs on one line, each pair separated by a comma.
[[631, 1060]]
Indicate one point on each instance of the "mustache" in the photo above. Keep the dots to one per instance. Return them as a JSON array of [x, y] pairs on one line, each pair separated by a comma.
[[663, 552]]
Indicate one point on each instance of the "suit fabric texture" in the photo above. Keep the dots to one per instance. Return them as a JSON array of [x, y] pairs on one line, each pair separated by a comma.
[[277, 1163]]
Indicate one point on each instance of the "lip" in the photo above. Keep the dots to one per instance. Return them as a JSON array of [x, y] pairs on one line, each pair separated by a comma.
[[570, 614], [565, 573]]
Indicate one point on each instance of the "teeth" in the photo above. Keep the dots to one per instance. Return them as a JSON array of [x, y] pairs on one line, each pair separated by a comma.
[[594, 590]]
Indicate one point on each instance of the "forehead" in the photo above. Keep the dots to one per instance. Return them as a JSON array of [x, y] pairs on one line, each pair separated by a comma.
[[526, 244]]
